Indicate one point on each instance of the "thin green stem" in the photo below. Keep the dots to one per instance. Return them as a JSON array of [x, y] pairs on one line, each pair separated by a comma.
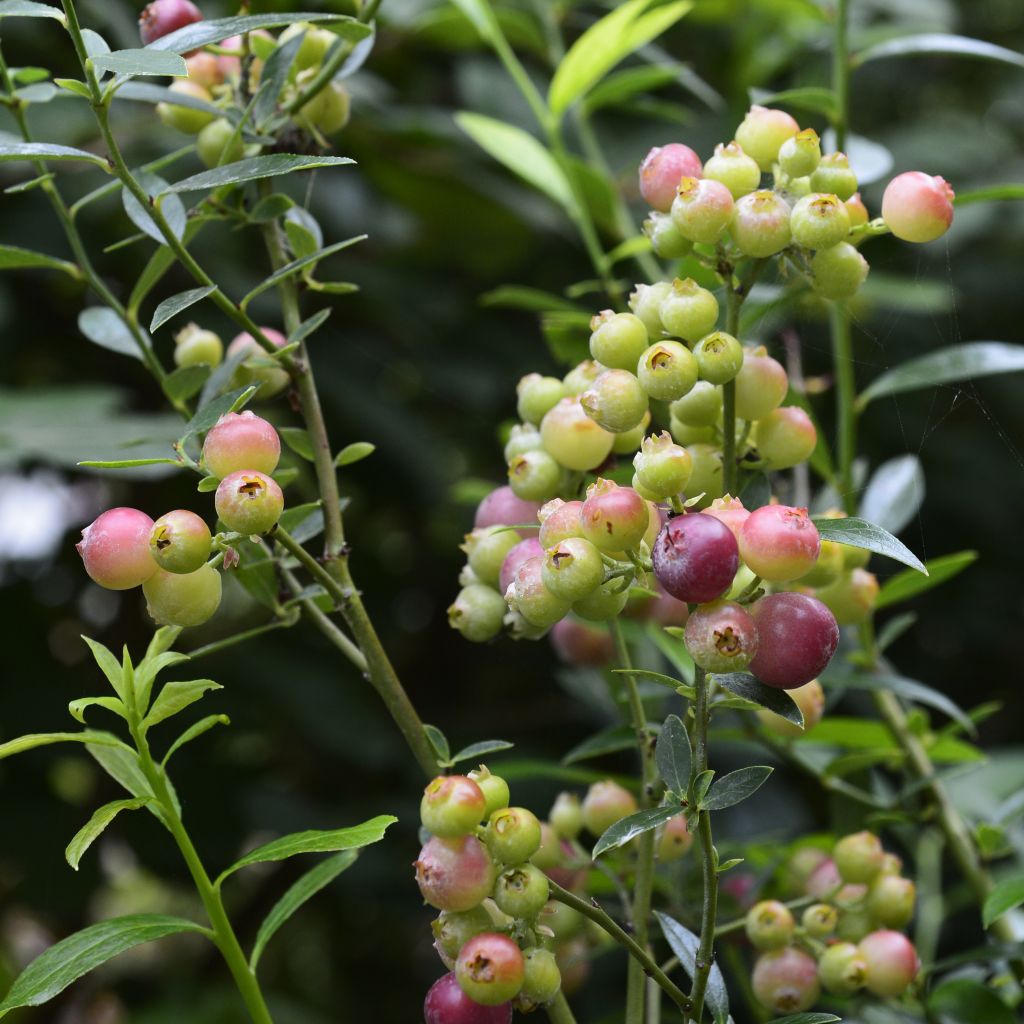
[[733, 303], [593, 912], [558, 1010], [644, 880], [216, 646], [841, 73], [846, 398]]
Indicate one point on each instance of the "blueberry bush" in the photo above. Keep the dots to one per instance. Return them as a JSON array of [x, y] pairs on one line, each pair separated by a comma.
[[772, 821]]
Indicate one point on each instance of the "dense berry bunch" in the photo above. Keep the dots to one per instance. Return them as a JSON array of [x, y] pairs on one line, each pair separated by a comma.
[[847, 940], [171, 558]]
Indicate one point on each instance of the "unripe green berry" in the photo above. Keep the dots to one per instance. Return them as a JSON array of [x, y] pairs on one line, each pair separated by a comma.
[[733, 168], [820, 919], [858, 857], [605, 603], [702, 209], [858, 212], [706, 477], [486, 549], [521, 891], [249, 502], [328, 111], [194, 346], [549, 854], [542, 979], [719, 357], [493, 787], [842, 969], [666, 240], [185, 119], [800, 154], [573, 438], [259, 367], [183, 599], [763, 132], [628, 441], [536, 395], [453, 929], [700, 407], [819, 221], [180, 542], [490, 969], [581, 376], [662, 467], [617, 401], [667, 370], [218, 143], [645, 301], [851, 596], [452, 806], [523, 437], [572, 569], [810, 698], [686, 435], [769, 925], [314, 46], [785, 437], [891, 900], [534, 475], [689, 311], [834, 174], [477, 613], [566, 815], [606, 803], [529, 595], [761, 384], [617, 339], [512, 835], [760, 224]]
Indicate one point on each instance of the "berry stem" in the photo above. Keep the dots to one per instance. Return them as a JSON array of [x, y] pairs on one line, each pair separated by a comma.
[[841, 74], [846, 398], [644, 880], [593, 912], [558, 1010], [733, 304], [286, 620]]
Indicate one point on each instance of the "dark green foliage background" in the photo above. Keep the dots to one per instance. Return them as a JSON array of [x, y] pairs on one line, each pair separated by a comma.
[[416, 365]]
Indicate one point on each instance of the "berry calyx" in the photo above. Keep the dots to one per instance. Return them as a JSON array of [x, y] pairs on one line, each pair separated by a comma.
[[446, 1003], [249, 502], [454, 874], [769, 925], [786, 980], [183, 599], [478, 613], [662, 466], [667, 371], [797, 636], [800, 154], [661, 171], [490, 969], [115, 549], [452, 806], [241, 440], [721, 637], [162, 17], [689, 311], [890, 962], [917, 207], [760, 223], [702, 209], [180, 541], [779, 543], [732, 167], [695, 558], [858, 857], [573, 438], [763, 132], [614, 518], [604, 804], [719, 357]]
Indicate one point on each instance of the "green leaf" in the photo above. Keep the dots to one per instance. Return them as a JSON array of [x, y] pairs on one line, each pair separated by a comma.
[[14, 258], [859, 533], [193, 732], [861, 734], [298, 439], [685, 945], [71, 958], [103, 327], [122, 765], [176, 304], [989, 194], [208, 484], [627, 829], [306, 887], [355, 452], [208, 414], [937, 43], [202, 33], [93, 828], [479, 749], [308, 327], [607, 43], [607, 741], [290, 269], [42, 739], [439, 742], [908, 689], [46, 151], [1007, 895], [749, 688], [185, 382], [946, 365], [77, 707], [175, 697], [29, 9], [514, 296], [815, 98], [735, 787], [147, 92], [254, 168], [141, 62], [624, 85], [109, 666], [910, 583], [966, 1001], [127, 463], [171, 206], [672, 754], [807, 1018], [894, 493], [481, 16], [274, 77], [271, 208], [521, 153], [353, 838], [657, 677], [156, 660]]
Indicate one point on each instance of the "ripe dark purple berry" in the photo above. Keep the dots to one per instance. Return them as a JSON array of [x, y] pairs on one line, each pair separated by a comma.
[[446, 1003], [115, 549], [797, 636], [695, 558], [455, 874], [162, 17]]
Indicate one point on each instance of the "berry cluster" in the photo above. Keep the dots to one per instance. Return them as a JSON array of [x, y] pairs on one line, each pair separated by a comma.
[[214, 80], [846, 941], [253, 367], [171, 558]]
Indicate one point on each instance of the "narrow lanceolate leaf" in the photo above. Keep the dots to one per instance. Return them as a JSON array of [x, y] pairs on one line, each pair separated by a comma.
[[185, 381], [109, 665], [29, 9], [77, 708], [46, 151], [175, 697], [71, 958], [807, 1018], [353, 838], [127, 463], [158, 658], [629, 828], [202, 33], [103, 327], [859, 533], [194, 731], [306, 887], [1007, 895], [479, 749], [605, 44], [14, 258], [735, 787], [685, 945], [938, 43], [290, 269], [176, 304], [171, 206], [908, 689], [439, 742], [142, 62], [254, 168], [93, 828], [42, 739], [945, 366], [749, 688], [147, 92], [894, 493], [968, 1001], [298, 439], [909, 583], [815, 98], [521, 153], [310, 326], [607, 741], [673, 755], [355, 452]]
